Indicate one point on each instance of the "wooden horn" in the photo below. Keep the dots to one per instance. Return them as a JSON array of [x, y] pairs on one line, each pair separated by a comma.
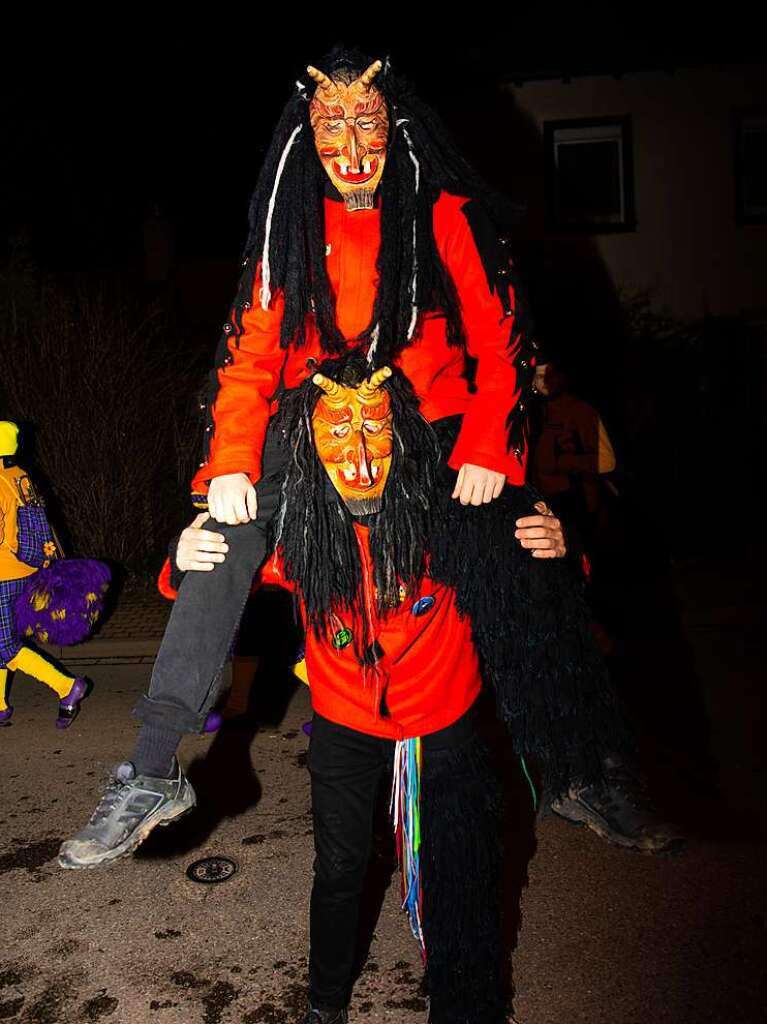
[[369, 387], [366, 78], [327, 85], [331, 388]]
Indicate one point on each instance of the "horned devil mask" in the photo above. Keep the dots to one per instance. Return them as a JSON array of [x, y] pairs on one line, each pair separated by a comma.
[[352, 430], [351, 129]]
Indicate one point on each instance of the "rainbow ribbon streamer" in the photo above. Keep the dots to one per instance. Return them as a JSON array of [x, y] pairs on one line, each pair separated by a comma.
[[406, 815]]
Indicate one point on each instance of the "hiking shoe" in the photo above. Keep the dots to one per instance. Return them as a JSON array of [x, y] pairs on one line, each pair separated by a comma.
[[326, 1016], [127, 812], [619, 812], [69, 706]]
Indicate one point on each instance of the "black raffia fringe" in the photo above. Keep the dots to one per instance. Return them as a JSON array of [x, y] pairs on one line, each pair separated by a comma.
[[532, 630], [460, 861]]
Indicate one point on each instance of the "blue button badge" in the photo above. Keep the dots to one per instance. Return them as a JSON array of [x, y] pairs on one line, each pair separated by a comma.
[[423, 605]]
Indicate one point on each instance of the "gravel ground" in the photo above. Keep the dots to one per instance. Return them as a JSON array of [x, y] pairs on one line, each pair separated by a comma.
[[599, 934]]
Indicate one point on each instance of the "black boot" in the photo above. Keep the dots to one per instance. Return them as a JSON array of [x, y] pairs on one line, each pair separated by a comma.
[[619, 811], [326, 1016]]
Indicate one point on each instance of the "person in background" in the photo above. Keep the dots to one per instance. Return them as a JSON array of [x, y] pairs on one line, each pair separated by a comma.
[[26, 545], [572, 453], [571, 457]]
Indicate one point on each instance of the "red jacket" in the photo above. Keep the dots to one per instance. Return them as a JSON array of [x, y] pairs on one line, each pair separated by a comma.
[[248, 382], [427, 673]]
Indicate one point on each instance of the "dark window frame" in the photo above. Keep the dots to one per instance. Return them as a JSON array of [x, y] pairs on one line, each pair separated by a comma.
[[554, 221], [739, 117]]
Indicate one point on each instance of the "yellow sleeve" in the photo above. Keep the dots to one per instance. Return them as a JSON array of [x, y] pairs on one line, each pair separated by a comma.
[[7, 516], [606, 456]]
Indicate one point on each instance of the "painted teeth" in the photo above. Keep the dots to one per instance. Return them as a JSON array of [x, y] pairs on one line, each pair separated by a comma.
[[375, 471], [349, 474], [366, 166], [343, 166]]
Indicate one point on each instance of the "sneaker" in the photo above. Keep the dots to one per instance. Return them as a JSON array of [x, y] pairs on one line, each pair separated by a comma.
[[618, 812], [326, 1016], [5, 715], [128, 811], [69, 706]]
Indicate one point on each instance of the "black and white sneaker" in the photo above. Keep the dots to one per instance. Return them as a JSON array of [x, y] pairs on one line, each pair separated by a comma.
[[132, 805]]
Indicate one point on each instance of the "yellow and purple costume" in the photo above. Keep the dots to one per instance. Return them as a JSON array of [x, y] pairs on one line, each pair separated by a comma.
[[17, 492]]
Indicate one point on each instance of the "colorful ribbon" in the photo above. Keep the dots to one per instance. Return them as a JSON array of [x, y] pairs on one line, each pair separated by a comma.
[[406, 817]]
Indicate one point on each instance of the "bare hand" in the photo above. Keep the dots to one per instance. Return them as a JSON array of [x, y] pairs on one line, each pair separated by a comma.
[[232, 499], [476, 485], [542, 534], [200, 550]]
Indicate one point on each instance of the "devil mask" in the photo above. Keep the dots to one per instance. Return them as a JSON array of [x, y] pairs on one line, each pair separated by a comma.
[[351, 128], [352, 430]]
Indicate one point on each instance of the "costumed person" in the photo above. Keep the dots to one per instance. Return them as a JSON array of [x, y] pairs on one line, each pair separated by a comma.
[[572, 453], [571, 456], [404, 593], [27, 544], [368, 232]]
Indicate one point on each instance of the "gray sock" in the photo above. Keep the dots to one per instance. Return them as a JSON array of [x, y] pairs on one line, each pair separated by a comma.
[[155, 750]]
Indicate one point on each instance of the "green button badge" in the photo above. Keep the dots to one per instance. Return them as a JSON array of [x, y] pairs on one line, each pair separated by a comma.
[[342, 638]]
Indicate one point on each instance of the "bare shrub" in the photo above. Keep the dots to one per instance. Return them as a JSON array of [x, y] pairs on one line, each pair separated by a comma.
[[110, 393]]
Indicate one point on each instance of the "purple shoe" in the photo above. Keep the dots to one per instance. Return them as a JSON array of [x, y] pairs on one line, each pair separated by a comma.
[[306, 728], [69, 706], [5, 716], [213, 722]]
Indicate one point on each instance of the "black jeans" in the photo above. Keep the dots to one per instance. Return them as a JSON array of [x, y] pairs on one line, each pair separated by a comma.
[[207, 611], [347, 768]]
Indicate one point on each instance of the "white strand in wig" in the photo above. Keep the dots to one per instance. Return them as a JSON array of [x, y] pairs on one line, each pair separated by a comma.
[[373, 343], [414, 280], [266, 292]]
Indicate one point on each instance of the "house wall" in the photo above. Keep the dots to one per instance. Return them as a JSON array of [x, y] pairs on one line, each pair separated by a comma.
[[687, 250]]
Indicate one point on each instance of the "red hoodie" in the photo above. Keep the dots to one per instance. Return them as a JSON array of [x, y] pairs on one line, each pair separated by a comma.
[[256, 364], [427, 672]]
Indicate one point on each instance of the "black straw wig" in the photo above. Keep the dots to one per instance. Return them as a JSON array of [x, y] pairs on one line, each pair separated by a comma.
[[288, 204], [315, 530]]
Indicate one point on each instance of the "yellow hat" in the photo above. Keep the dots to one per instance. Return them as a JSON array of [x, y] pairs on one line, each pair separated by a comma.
[[9, 433]]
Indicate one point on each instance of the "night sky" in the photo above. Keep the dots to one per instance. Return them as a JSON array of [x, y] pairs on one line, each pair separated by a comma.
[[93, 142], [96, 131]]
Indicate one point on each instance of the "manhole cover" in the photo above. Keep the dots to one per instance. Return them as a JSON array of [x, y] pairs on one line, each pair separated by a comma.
[[210, 870]]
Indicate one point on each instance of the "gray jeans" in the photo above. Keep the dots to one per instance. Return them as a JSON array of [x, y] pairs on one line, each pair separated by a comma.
[[206, 613]]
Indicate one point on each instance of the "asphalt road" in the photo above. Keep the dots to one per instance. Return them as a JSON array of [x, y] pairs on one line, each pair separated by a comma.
[[598, 934]]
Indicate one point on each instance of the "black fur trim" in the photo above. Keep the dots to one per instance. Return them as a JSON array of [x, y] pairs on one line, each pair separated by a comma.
[[503, 281], [532, 630], [460, 861]]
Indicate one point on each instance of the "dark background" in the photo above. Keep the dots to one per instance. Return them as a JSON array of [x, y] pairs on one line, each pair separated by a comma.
[[103, 123], [112, 125]]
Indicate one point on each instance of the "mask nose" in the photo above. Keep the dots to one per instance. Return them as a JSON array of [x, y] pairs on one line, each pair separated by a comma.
[[355, 148], [364, 478]]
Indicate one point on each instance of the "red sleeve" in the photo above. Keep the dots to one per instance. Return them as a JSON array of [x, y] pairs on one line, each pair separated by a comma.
[[164, 584], [271, 574], [248, 373], [483, 438]]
